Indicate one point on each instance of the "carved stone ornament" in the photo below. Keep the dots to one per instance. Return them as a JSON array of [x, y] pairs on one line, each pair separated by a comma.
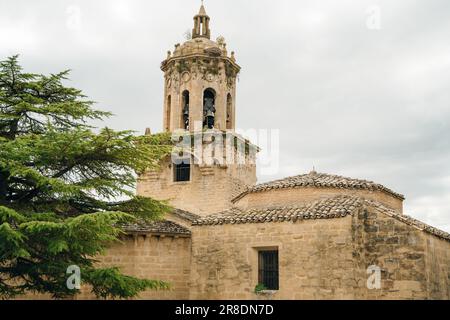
[[210, 77], [230, 82], [186, 76], [214, 52]]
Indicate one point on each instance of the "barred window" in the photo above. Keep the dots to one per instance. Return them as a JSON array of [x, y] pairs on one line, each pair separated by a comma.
[[268, 269], [182, 171]]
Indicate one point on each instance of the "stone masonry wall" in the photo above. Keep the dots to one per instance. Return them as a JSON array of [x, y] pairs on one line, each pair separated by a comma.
[[209, 191], [437, 267], [152, 257], [315, 260], [322, 259], [414, 264]]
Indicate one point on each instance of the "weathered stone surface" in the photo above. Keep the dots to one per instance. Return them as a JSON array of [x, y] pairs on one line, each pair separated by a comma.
[[329, 257], [164, 258], [203, 194]]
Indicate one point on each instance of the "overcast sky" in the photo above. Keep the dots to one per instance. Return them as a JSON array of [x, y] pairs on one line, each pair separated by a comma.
[[351, 94]]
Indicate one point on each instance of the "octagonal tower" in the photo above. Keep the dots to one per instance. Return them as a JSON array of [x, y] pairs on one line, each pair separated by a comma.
[[198, 74], [199, 105]]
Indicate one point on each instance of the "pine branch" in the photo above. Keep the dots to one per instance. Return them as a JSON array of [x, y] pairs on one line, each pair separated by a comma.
[[59, 182]]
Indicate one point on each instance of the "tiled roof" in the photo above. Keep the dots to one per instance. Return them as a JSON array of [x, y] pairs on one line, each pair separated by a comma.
[[320, 180], [408, 220], [163, 226], [335, 207], [189, 216], [156, 227]]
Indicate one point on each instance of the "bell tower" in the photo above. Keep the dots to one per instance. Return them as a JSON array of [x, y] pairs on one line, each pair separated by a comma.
[[200, 106], [200, 82]]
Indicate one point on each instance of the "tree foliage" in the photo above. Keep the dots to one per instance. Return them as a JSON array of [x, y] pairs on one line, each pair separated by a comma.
[[65, 187]]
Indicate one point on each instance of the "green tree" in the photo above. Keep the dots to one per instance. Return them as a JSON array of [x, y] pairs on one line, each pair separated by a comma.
[[59, 183]]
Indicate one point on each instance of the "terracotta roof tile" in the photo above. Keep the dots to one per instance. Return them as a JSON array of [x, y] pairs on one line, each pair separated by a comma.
[[334, 207], [320, 180], [156, 227]]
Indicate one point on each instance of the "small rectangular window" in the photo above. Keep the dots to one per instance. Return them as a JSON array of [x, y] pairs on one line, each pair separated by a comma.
[[268, 269], [182, 171]]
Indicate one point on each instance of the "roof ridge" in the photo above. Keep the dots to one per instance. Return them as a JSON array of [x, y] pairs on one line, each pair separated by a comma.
[[185, 215]]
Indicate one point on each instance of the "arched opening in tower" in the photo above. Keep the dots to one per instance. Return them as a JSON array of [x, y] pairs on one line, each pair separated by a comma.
[[185, 110], [209, 108], [168, 112], [229, 112]]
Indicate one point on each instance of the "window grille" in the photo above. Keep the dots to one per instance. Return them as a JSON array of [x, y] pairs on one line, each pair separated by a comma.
[[268, 269], [182, 171]]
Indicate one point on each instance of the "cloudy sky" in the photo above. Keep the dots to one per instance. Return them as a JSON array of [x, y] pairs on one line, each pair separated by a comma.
[[359, 88]]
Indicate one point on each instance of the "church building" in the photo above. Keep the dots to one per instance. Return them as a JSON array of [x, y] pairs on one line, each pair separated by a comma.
[[310, 236]]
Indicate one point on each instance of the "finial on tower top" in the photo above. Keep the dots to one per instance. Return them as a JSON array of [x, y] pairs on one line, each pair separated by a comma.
[[201, 24], [202, 11]]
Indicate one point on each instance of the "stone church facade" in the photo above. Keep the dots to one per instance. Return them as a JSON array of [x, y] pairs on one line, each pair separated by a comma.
[[311, 236]]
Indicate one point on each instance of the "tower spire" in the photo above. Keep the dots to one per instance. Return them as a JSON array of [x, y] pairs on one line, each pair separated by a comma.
[[201, 24]]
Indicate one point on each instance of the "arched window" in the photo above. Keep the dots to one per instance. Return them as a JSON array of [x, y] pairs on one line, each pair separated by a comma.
[[229, 112], [209, 108], [185, 110], [168, 112]]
